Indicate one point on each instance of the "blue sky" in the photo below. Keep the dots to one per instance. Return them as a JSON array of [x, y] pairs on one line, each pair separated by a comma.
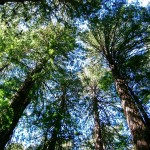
[[142, 2]]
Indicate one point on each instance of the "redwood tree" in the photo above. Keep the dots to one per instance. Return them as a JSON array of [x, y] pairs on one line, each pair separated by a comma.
[[119, 34], [36, 51]]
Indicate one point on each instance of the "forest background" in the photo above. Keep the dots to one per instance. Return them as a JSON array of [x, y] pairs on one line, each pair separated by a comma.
[[74, 75]]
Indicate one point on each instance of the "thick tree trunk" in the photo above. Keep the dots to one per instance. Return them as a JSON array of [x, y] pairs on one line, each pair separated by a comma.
[[134, 119], [18, 104], [97, 129], [139, 104]]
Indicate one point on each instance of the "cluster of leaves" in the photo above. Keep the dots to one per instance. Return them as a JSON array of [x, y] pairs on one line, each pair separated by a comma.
[[60, 109]]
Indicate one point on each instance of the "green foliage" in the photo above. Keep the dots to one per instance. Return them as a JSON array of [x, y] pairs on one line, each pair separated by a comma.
[[6, 112], [26, 53], [119, 33], [29, 40], [15, 146], [32, 12], [106, 81]]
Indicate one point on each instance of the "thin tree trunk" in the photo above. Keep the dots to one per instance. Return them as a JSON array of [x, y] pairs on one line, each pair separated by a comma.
[[57, 125], [97, 129], [132, 114], [54, 138], [18, 104]]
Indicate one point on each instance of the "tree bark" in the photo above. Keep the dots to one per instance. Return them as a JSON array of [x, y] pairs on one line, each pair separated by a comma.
[[134, 119], [18, 104], [97, 129], [57, 125], [139, 104], [52, 143]]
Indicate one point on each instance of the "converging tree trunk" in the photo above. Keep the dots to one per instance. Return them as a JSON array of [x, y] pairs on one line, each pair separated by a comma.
[[141, 108], [18, 104], [54, 138], [134, 119], [97, 129], [57, 125], [91, 74]]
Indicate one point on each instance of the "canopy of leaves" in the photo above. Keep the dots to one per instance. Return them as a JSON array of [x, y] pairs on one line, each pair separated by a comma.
[[67, 67]]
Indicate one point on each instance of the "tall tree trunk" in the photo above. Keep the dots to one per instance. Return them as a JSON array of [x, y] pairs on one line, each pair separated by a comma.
[[57, 125], [139, 104], [54, 138], [53, 141], [134, 119], [97, 129], [18, 104]]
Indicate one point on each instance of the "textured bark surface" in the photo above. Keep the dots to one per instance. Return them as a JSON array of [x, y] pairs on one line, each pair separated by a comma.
[[132, 113], [18, 104], [97, 129], [140, 106]]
